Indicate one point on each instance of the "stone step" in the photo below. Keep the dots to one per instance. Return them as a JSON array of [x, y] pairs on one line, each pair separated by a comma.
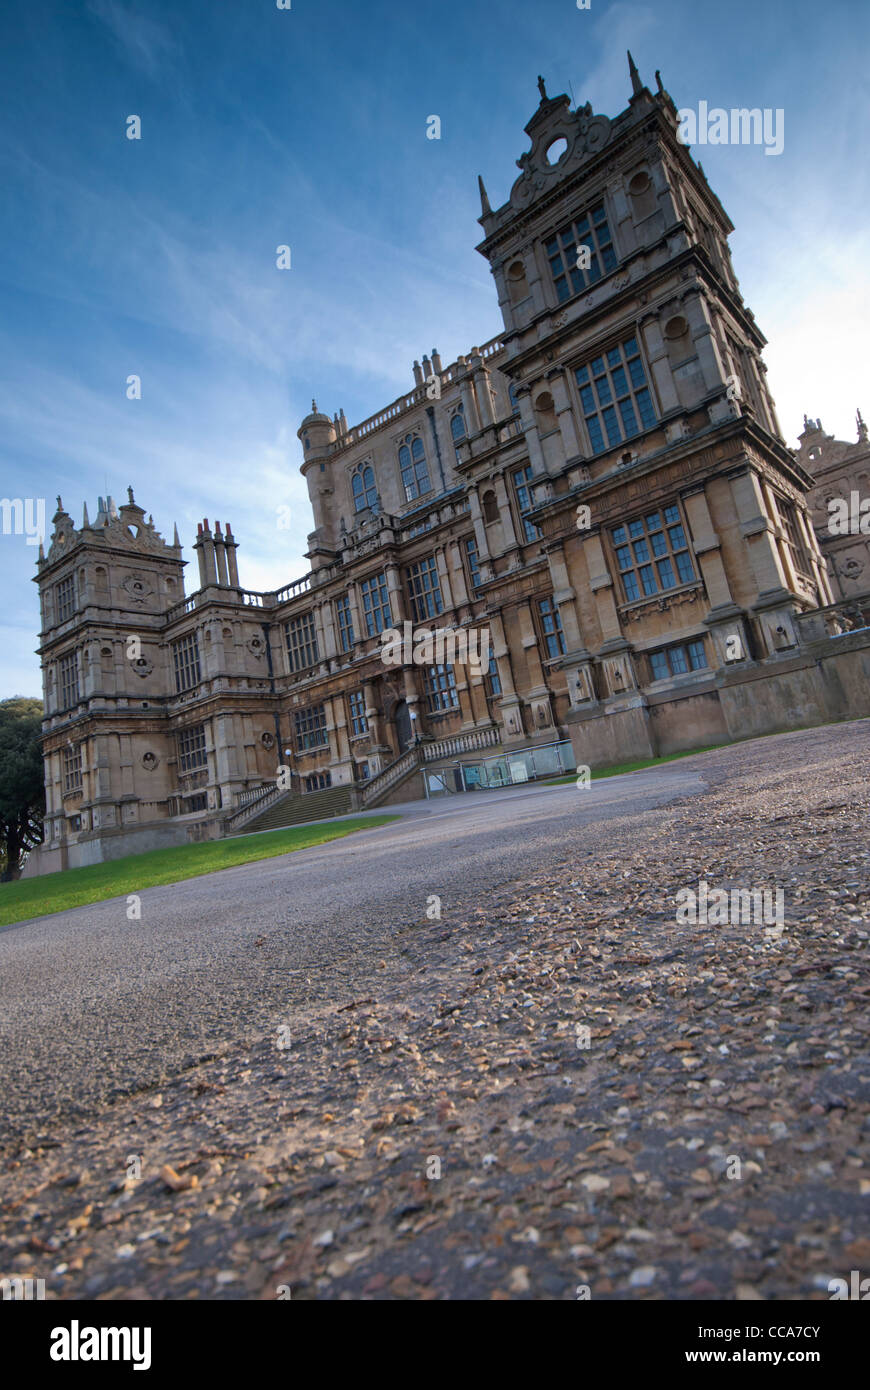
[[296, 809]]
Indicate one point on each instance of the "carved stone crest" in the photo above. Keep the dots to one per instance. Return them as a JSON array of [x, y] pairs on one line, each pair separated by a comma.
[[137, 586]]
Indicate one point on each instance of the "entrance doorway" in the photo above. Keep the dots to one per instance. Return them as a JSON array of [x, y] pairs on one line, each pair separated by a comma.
[[404, 725]]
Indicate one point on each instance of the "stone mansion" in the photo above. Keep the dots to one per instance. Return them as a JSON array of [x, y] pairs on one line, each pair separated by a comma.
[[603, 487]]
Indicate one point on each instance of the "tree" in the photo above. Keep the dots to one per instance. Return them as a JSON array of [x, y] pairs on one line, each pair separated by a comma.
[[22, 793]]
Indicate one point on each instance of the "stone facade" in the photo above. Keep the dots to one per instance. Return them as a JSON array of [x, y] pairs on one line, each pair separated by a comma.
[[603, 489], [841, 474]]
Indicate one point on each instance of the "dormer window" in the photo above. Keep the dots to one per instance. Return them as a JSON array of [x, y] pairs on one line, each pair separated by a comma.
[[415, 470], [581, 253], [365, 494]]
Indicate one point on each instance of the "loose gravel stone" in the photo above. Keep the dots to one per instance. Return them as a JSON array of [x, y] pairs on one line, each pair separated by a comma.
[[556, 1086]]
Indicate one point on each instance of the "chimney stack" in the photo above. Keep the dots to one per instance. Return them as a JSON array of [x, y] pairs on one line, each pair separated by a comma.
[[220, 556], [209, 564], [232, 545]]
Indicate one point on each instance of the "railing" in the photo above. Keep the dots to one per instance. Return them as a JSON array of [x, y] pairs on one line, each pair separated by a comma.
[[185, 605], [836, 620], [266, 797], [507, 769], [253, 794], [490, 349], [405, 403], [460, 743], [299, 586], [391, 774], [383, 417]]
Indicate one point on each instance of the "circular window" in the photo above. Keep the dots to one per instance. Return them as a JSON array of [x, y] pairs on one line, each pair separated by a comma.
[[557, 150]]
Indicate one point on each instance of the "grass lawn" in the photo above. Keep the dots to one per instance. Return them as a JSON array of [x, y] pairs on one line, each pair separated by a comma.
[[39, 897], [635, 767]]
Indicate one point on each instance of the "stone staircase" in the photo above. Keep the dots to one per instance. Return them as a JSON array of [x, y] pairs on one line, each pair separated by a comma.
[[268, 808], [390, 777], [276, 809], [427, 751]]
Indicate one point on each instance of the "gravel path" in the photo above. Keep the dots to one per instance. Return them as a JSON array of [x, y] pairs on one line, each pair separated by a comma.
[[403, 1107]]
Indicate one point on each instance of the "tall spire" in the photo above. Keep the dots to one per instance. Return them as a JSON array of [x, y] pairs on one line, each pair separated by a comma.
[[484, 197], [636, 84], [86, 520]]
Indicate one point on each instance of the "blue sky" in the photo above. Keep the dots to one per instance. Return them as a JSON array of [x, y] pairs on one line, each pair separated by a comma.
[[307, 127]]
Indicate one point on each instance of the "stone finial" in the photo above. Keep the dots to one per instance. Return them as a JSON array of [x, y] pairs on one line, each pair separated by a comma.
[[636, 84], [659, 87], [486, 209], [131, 500], [542, 89], [176, 540], [862, 429], [86, 521], [60, 504], [314, 407]]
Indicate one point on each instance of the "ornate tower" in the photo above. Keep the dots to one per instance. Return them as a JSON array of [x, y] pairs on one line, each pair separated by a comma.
[[643, 398], [105, 589]]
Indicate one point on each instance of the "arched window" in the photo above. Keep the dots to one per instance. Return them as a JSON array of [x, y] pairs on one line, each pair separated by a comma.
[[457, 426], [365, 494], [415, 471], [490, 507]]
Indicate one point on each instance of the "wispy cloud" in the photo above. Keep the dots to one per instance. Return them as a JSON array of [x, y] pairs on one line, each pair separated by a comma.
[[147, 44]]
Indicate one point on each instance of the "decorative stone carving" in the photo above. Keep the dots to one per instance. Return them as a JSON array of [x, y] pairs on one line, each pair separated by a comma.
[[584, 134], [851, 568], [662, 604], [150, 761], [137, 585], [267, 740], [142, 666], [257, 647]]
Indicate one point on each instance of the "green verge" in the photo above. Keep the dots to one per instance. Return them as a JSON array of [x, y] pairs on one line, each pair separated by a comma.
[[41, 897], [619, 768]]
